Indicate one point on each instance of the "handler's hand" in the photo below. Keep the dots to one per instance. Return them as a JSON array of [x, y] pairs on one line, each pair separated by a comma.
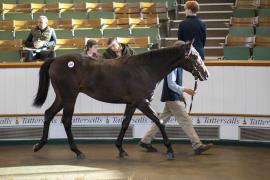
[[189, 91]]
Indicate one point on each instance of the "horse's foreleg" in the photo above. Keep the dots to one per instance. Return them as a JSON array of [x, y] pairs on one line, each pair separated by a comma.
[[129, 111], [49, 114], [67, 122], [150, 113]]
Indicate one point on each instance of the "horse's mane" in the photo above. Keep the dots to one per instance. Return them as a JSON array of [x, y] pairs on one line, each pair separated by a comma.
[[153, 55]]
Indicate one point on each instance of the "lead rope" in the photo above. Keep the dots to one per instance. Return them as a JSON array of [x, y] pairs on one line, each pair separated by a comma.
[[195, 88]]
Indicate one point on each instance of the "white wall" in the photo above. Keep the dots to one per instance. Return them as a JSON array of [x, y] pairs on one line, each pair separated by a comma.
[[230, 89]]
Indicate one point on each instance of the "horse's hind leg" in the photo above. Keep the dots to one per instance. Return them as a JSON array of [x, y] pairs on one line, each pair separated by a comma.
[[150, 113], [127, 117], [49, 114], [67, 121]]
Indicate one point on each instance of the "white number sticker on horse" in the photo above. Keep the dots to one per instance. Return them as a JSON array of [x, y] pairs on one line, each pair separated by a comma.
[[70, 64]]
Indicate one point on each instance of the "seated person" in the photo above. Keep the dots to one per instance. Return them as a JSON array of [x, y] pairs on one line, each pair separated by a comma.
[[116, 49], [40, 41], [91, 50]]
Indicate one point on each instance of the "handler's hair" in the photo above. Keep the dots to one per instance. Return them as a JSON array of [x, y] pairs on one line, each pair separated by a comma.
[[193, 6]]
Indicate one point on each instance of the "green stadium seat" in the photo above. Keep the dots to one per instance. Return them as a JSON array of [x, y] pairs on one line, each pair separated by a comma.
[[241, 31], [6, 35], [90, 33], [244, 13], [49, 15], [74, 15], [261, 53], [9, 56], [236, 53], [99, 14], [18, 16], [153, 33], [60, 52], [264, 12], [64, 34], [22, 34], [116, 32], [31, 1], [263, 31]]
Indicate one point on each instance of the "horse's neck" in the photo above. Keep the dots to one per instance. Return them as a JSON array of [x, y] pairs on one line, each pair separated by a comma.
[[163, 62]]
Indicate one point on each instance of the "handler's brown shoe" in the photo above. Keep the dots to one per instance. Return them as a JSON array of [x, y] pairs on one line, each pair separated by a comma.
[[202, 148], [148, 147]]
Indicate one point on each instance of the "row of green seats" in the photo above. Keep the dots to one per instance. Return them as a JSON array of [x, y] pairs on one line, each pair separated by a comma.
[[153, 33], [171, 3], [251, 13], [15, 56], [249, 31], [56, 16], [245, 53]]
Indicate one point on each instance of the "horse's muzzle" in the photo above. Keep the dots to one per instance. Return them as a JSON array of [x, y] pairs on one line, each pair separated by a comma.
[[202, 76]]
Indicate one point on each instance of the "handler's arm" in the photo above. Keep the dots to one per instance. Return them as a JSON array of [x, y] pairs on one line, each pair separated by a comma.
[[171, 79]]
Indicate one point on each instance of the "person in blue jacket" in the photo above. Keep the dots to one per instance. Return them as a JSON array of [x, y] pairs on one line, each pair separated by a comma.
[[193, 28]]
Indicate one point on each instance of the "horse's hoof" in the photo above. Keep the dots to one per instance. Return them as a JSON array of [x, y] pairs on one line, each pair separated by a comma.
[[123, 154], [36, 147], [81, 156], [170, 156]]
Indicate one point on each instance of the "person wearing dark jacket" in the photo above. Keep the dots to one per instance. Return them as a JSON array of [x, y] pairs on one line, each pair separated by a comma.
[[40, 41], [116, 49], [193, 28], [172, 95]]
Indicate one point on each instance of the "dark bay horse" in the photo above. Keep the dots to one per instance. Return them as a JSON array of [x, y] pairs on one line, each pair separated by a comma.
[[129, 80]]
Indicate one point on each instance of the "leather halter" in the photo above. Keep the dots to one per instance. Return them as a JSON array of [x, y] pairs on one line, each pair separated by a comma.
[[195, 88]]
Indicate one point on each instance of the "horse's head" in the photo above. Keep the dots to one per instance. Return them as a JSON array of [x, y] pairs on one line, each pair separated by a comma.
[[194, 63]]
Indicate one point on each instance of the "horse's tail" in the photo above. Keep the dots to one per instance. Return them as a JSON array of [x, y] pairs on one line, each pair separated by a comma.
[[44, 81]]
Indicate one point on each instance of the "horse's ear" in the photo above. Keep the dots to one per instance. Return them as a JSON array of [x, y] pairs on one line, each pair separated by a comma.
[[188, 44], [192, 41]]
